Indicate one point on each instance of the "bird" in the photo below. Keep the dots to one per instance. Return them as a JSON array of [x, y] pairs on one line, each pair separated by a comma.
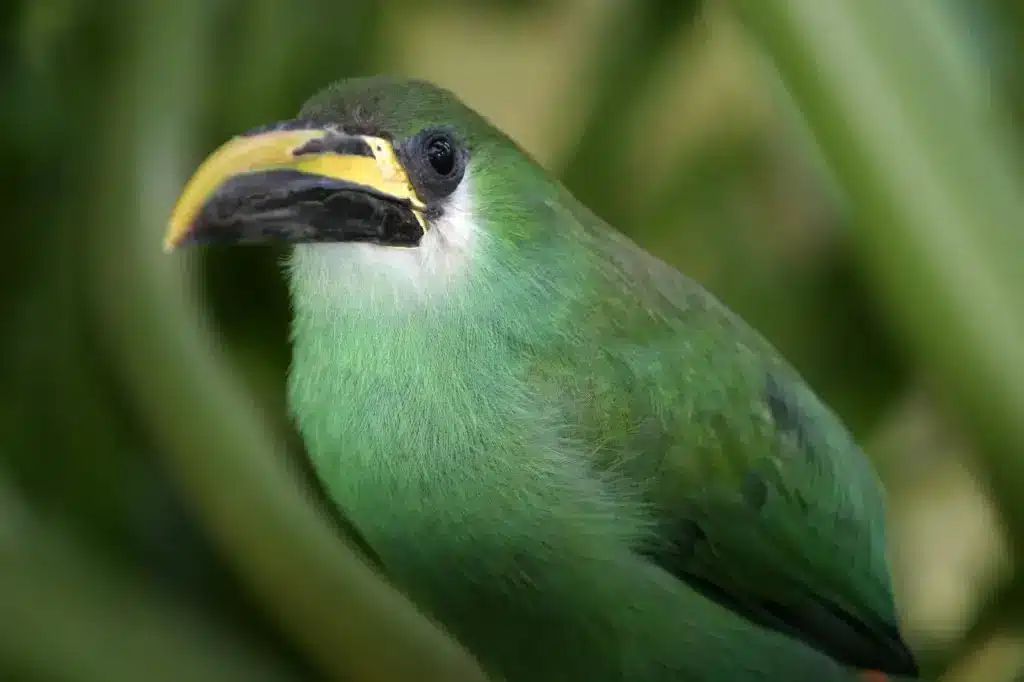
[[575, 458]]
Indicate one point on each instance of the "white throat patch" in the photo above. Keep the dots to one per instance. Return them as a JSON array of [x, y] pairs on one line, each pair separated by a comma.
[[370, 275]]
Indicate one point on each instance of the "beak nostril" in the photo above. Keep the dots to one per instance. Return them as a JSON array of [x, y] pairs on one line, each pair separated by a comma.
[[335, 143]]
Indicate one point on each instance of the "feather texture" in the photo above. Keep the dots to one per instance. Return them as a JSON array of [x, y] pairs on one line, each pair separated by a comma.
[[569, 453]]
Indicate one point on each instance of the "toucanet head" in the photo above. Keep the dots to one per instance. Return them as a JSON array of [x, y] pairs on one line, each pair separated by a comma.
[[379, 161]]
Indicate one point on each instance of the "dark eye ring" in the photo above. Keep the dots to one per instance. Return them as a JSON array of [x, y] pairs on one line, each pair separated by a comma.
[[441, 154]]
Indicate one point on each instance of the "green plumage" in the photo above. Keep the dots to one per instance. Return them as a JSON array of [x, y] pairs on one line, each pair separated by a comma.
[[570, 454]]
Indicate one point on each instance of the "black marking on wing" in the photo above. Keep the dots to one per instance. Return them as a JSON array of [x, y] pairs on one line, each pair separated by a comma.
[[813, 620], [788, 416], [687, 539], [754, 490]]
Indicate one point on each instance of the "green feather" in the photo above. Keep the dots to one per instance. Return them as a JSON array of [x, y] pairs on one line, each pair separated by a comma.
[[570, 454]]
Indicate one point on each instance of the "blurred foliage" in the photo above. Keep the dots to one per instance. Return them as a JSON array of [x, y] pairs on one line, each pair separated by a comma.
[[672, 127]]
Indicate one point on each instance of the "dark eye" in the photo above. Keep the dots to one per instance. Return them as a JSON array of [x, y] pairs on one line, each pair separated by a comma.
[[441, 154], [435, 159]]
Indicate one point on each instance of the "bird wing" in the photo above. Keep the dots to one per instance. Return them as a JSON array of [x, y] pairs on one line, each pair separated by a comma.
[[763, 501], [783, 524]]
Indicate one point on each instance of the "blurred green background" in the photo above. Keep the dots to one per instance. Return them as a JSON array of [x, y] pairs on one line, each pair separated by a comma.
[[846, 175]]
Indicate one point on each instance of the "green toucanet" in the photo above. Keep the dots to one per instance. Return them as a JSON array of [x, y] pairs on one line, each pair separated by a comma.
[[569, 454]]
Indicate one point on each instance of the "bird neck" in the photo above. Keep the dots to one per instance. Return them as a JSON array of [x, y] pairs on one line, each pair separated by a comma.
[[441, 430], [423, 397]]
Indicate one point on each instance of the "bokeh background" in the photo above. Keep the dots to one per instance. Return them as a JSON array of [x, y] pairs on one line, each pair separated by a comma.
[[845, 174]]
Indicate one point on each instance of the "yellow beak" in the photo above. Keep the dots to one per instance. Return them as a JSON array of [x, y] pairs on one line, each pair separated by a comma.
[[253, 176]]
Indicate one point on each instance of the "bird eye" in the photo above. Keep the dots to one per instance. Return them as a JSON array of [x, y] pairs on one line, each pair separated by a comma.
[[435, 159], [440, 154]]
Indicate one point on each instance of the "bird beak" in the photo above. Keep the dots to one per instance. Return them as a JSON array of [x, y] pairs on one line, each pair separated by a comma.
[[297, 182]]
